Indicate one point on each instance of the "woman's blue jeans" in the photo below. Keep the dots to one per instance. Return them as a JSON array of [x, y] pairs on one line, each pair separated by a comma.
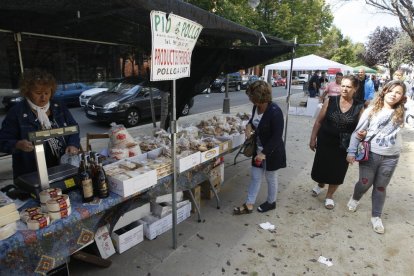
[[256, 181]]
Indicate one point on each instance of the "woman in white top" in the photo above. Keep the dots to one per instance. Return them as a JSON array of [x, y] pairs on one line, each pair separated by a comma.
[[380, 124]]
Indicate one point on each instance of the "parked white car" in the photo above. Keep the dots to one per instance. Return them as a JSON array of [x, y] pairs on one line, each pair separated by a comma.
[[99, 87]]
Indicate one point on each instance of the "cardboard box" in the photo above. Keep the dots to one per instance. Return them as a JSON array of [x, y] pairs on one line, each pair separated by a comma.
[[162, 209], [188, 162], [127, 236], [197, 197], [183, 164], [154, 226], [225, 145], [135, 184], [168, 197], [207, 155], [104, 243], [133, 215], [164, 169], [237, 140], [216, 178]]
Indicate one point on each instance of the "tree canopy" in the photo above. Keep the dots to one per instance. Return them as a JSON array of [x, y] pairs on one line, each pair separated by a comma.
[[309, 21], [379, 45], [403, 9]]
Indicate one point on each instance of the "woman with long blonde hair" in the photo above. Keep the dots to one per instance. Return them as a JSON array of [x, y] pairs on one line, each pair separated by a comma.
[[380, 124]]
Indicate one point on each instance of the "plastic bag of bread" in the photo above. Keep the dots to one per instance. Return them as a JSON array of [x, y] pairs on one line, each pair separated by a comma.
[[134, 150], [119, 153], [119, 137]]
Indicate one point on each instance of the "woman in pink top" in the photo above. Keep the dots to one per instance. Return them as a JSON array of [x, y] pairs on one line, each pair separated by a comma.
[[333, 88]]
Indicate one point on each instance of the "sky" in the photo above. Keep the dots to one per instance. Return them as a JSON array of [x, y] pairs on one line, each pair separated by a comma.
[[358, 20]]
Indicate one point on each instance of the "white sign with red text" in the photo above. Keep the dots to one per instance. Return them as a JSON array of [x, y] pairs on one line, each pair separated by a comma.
[[173, 41]]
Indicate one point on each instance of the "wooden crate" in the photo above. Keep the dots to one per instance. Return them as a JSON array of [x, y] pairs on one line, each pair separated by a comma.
[[206, 192]]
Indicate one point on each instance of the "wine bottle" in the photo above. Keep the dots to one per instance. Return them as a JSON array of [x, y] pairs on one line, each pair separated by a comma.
[[87, 186], [102, 182]]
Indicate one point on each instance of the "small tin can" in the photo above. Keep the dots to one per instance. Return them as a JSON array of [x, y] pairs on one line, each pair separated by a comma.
[[28, 212], [58, 203], [47, 194], [38, 221], [60, 214]]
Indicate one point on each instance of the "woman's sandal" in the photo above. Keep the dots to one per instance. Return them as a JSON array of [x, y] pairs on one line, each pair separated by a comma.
[[242, 210], [316, 191], [329, 203]]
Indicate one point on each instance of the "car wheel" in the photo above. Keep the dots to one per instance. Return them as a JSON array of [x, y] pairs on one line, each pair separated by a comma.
[[223, 88], [238, 87], [186, 110], [132, 117]]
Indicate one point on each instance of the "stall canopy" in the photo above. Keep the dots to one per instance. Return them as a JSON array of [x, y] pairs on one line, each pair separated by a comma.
[[367, 69], [223, 45], [310, 62]]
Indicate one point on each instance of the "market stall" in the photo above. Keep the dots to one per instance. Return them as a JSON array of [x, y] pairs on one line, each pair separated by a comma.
[[223, 47]]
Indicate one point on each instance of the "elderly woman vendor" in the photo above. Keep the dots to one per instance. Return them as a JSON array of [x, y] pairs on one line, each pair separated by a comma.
[[36, 112]]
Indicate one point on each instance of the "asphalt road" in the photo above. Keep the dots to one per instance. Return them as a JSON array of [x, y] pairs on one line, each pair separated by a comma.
[[202, 103]]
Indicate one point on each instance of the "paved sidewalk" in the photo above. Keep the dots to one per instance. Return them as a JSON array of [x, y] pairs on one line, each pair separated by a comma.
[[223, 244]]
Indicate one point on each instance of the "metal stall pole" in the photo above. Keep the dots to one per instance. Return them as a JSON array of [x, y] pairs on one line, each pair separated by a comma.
[[289, 90], [18, 38], [173, 129], [226, 102]]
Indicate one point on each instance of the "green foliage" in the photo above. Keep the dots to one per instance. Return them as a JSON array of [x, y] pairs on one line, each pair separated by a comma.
[[402, 52], [309, 21], [378, 47]]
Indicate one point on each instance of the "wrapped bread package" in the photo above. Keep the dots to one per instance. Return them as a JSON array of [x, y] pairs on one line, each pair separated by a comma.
[[119, 137], [119, 153]]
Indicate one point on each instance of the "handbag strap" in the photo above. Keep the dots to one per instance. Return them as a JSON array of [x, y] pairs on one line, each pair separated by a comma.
[[379, 129]]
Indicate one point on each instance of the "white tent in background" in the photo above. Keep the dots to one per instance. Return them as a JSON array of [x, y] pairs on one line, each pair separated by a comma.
[[310, 62]]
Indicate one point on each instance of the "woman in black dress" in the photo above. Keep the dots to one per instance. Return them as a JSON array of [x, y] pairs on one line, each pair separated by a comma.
[[330, 138]]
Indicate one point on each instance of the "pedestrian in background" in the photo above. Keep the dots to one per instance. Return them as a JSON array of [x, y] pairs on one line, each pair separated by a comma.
[[267, 123], [323, 80], [365, 92], [333, 88], [330, 139], [399, 75], [380, 124], [376, 82], [314, 84]]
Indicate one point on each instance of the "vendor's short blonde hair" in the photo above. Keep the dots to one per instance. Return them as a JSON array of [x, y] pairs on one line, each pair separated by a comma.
[[35, 77], [259, 92]]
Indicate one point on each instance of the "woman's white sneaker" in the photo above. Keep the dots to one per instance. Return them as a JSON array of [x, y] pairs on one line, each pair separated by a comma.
[[352, 204], [377, 225]]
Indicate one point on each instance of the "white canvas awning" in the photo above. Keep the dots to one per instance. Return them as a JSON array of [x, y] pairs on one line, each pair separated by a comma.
[[310, 62]]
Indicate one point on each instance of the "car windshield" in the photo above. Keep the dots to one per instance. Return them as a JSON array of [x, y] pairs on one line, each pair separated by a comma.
[[124, 88], [102, 84]]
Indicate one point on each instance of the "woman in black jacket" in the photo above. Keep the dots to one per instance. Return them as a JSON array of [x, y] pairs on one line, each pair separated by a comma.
[[267, 124]]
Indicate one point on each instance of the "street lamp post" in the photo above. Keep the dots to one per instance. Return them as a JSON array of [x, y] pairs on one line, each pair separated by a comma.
[[226, 102]]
